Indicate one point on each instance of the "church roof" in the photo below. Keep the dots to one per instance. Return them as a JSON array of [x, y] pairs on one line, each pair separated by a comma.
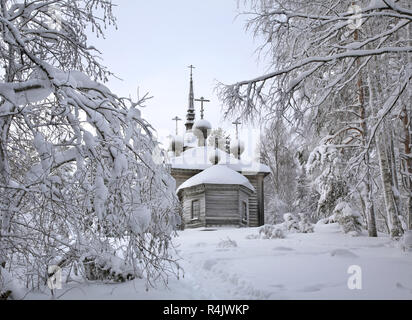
[[199, 159], [217, 174]]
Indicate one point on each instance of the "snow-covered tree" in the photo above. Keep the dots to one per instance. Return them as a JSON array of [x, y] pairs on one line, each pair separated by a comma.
[[343, 67], [277, 151], [79, 184]]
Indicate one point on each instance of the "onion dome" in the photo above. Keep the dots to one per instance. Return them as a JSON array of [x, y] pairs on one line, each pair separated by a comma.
[[237, 147], [176, 144], [202, 129], [214, 156], [189, 140]]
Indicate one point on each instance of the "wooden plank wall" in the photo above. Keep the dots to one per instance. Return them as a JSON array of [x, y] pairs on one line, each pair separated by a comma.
[[253, 202], [188, 198], [256, 200], [181, 175], [222, 205]]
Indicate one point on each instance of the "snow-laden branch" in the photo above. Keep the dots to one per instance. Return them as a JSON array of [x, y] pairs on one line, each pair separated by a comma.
[[322, 60]]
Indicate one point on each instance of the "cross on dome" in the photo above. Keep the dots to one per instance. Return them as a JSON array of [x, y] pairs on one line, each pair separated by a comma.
[[177, 119], [202, 109], [237, 123]]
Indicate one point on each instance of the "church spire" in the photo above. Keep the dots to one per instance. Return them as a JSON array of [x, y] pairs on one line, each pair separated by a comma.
[[190, 116]]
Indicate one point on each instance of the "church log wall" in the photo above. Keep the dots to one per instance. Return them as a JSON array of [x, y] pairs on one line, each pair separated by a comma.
[[256, 205], [222, 205]]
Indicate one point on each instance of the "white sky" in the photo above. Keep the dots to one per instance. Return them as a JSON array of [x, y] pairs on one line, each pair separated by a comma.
[[155, 42]]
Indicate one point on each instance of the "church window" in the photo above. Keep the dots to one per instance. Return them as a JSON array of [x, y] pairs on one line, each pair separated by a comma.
[[244, 211], [195, 209]]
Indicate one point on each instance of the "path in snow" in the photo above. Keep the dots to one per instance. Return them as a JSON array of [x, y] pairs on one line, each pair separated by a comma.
[[301, 266]]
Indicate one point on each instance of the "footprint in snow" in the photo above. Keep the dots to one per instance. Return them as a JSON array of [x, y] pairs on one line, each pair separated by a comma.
[[313, 288], [402, 287], [208, 264], [278, 286], [200, 244], [343, 253], [283, 249]]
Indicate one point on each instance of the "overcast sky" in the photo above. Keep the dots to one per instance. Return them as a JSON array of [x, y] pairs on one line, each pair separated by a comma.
[[155, 42]]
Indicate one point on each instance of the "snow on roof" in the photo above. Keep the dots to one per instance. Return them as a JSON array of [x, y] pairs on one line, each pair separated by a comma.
[[217, 174], [202, 123], [198, 159]]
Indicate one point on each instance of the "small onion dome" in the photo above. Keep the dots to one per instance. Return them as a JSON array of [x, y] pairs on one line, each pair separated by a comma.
[[202, 128], [214, 156], [189, 140], [176, 143], [236, 146]]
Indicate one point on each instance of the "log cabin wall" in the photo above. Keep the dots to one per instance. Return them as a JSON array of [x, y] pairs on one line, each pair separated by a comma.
[[222, 204], [255, 201], [256, 205], [181, 175], [188, 196]]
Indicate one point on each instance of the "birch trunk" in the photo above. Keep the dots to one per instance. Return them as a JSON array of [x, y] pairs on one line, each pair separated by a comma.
[[5, 199], [370, 210], [386, 175], [395, 227], [407, 162], [394, 173], [407, 141]]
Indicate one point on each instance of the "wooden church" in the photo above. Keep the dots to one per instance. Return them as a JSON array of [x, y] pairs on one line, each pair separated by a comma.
[[215, 187]]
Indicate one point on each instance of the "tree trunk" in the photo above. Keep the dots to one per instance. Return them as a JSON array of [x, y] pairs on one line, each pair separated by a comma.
[[386, 175], [5, 122], [370, 210], [407, 144], [394, 173]]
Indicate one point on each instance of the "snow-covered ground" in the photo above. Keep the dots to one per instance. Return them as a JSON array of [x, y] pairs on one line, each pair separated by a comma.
[[301, 266]]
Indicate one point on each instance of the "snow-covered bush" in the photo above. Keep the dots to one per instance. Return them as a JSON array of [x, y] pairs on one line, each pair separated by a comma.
[[279, 231], [305, 226], [228, 243], [406, 242], [271, 232], [108, 267], [348, 219], [274, 210], [291, 223]]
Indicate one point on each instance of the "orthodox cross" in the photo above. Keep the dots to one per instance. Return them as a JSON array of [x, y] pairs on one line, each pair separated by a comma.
[[191, 67], [177, 119], [237, 123], [202, 109]]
